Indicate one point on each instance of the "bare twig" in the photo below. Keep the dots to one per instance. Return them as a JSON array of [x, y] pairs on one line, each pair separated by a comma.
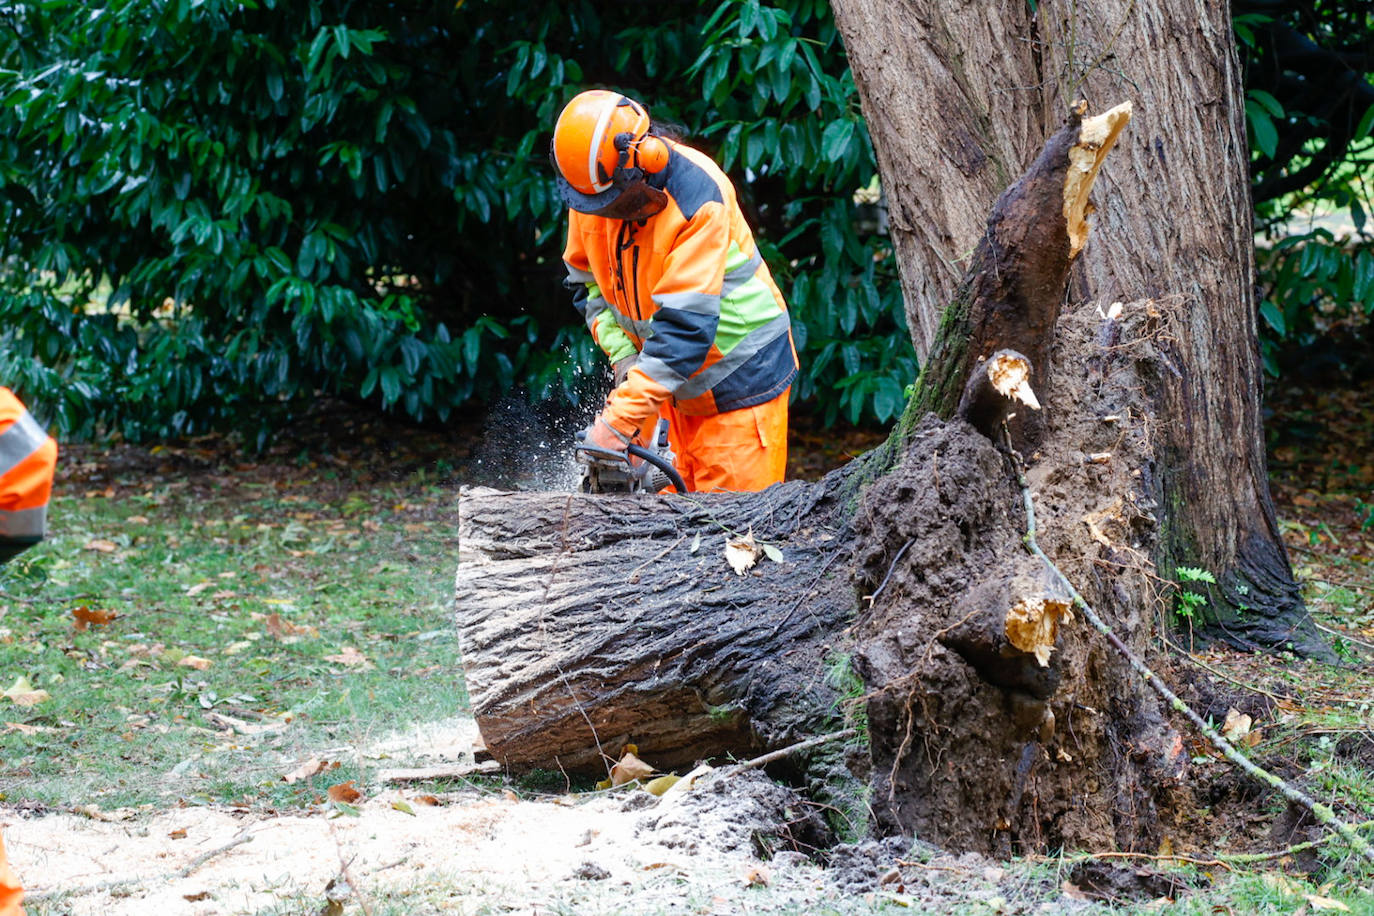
[[771, 756], [1323, 813]]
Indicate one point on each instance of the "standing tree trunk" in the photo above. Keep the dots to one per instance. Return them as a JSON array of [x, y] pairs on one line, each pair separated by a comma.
[[958, 99]]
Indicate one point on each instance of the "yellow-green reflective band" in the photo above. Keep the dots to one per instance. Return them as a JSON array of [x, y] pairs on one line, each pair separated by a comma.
[[612, 339], [713, 374], [750, 306]]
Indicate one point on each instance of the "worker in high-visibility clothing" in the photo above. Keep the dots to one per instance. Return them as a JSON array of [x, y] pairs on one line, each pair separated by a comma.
[[28, 456], [673, 288]]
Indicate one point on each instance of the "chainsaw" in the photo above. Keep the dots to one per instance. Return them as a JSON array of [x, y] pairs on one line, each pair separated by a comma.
[[638, 469]]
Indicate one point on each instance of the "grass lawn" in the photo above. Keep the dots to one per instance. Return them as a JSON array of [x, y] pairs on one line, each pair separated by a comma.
[[198, 625]]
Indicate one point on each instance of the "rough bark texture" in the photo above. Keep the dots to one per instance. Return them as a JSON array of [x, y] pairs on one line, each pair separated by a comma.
[[957, 98], [589, 622]]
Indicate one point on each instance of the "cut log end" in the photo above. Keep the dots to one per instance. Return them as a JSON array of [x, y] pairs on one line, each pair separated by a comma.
[[1096, 137]]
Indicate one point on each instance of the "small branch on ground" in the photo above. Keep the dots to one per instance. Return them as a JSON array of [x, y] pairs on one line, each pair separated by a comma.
[[779, 754]]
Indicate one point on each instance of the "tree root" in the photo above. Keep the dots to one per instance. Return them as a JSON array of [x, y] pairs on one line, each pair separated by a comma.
[[1323, 813]]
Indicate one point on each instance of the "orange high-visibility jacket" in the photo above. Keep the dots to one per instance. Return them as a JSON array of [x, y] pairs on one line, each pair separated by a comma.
[[688, 290], [28, 456]]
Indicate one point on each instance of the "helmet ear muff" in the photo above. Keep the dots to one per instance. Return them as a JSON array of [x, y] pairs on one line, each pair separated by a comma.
[[649, 154], [652, 154]]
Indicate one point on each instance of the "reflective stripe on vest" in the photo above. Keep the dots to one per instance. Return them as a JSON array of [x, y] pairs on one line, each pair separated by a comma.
[[20, 441], [23, 524], [752, 343]]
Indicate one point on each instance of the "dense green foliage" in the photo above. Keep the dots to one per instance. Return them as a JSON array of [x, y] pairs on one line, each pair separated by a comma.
[[214, 212], [1310, 106]]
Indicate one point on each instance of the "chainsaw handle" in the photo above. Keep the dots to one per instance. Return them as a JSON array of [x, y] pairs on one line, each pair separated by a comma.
[[668, 470]]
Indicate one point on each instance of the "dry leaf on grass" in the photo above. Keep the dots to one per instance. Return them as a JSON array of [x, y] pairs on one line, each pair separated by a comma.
[[1325, 903], [90, 617], [306, 770], [344, 792], [351, 657], [102, 546], [196, 589], [194, 661], [22, 693]]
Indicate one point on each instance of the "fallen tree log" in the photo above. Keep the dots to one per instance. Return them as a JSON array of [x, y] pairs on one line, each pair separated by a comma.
[[588, 623]]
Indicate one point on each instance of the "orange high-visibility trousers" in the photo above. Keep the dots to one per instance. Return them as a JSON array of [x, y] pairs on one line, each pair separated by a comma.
[[11, 894], [738, 450]]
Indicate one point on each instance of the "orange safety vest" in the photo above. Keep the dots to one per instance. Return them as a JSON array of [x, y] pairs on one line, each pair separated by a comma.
[[688, 290], [28, 456]]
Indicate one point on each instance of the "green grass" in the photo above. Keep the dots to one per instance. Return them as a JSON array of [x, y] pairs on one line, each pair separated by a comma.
[[194, 568]]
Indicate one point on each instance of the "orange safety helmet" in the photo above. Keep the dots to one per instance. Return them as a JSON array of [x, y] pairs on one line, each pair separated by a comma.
[[601, 144]]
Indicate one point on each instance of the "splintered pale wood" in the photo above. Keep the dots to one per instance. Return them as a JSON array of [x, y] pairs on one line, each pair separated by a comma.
[[1008, 626], [995, 387]]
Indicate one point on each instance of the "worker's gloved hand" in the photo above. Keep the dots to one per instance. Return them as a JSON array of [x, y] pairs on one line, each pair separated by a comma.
[[621, 368], [604, 436]]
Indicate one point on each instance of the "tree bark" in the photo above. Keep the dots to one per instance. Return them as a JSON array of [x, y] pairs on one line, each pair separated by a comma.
[[592, 622], [1173, 235]]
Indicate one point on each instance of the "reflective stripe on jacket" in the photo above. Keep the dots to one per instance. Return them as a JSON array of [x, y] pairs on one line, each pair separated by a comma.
[[688, 290], [28, 456]]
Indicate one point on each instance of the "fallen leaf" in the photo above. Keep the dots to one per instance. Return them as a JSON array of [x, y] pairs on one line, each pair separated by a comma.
[[102, 546], [196, 589], [1236, 726], [22, 693], [661, 784], [86, 617], [403, 806], [628, 769], [696, 544], [306, 770], [21, 727], [742, 553], [351, 657], [757, 876], [508, 795], [198, 895], [138, 519], [431, 800], [344, 792], [773, 553], [178, 834], [279, 627], [1325, 903], [194, 661]]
